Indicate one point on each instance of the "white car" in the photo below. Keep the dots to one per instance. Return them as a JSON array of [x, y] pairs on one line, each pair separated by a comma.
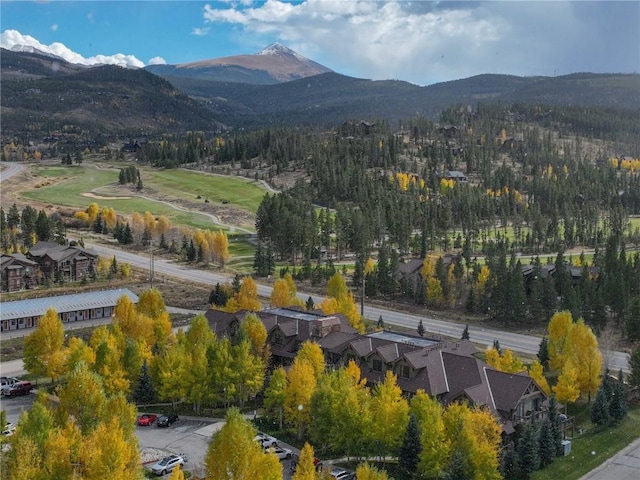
[[6, 383], [280, 452], [265, 440], [340, 474], [9, 429], [167, 464]]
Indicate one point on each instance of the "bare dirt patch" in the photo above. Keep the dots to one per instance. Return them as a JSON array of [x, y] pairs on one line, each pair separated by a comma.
[[101, 197]]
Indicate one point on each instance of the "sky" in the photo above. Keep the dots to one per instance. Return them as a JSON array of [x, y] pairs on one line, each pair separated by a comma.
[[421, 42]]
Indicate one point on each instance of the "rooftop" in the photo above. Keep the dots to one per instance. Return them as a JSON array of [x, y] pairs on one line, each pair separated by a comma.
[[36, 307]]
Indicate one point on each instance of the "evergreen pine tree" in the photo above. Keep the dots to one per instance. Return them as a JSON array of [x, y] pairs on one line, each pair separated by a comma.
[[618, 402], [113, 268], [528, 450], [97, 224], [543, 352], [496, 345], [465, 333], [456, 470], [510, 463], [191, 252], [309, 305], [127, 236], [144, 392], [420, 328], [556, 426], [600, 409], [546, 445], [470, 305], [380, 323], [411, 447], [163, 242]]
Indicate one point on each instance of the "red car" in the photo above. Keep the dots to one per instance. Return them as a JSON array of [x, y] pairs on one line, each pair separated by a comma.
[[147, 419]]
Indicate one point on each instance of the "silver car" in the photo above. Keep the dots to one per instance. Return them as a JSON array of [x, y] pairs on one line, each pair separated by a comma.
[[167, 464]]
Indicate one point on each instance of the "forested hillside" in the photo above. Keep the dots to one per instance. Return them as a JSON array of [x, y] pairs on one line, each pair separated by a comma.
[[494, 182]]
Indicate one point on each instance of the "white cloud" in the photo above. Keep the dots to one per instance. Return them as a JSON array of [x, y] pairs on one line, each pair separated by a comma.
[[200, 32], [13, 38], [157, 61], [424, 42]]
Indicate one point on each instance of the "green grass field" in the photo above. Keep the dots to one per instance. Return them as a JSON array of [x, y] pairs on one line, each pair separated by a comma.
[[79, 180]]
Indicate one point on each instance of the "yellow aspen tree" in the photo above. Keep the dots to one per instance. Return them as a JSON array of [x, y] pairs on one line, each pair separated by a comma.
[[129, 321], [280, 294], [435, 445], [150, 303], [435, 295], [486, 437], [177, 474], [109, 346], [293, 291], [25, 459], [233, 453], [481, 282], [119, 409], [246, 298], [169, 369], [163, 225], [107, 453], [92, 212], [343, 303], [305, 469], [355, 374], [509, 363], [137, 226], [492, 357], [311, 352], [250, 371], [44, 353], [221, 248], [301, 383], [209, 236], [257, 335], [162, 332], [81, 397], [536, 372], [389, 414], [78, 351], [110, 218], [274, 394], [200, 242], [567, 389], [586, 357], [559, 329], [150, 222], [369, 472], [428, 267], [61, 451]]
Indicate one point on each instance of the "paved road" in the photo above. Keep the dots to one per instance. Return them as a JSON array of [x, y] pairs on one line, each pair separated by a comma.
[[10, 169], [520, 343]]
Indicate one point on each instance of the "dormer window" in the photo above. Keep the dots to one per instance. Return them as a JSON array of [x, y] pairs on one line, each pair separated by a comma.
[[405, 371]]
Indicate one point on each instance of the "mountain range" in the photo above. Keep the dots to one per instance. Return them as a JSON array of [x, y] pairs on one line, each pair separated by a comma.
[[275, 86]]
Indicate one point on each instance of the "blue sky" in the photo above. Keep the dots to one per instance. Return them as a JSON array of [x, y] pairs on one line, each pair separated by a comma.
[[417, 41]]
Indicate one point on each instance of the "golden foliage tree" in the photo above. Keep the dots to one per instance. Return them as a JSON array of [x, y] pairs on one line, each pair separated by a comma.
[[246, 298], [340, 300], [44, 352], [311, 352], [435, 445], [301, 383], [280, 294], [536, 372], [559, 329], [369, 472], [586, 357], [233, 453], [305, 470], [389, 414], [505, 362], [274, 395], [151, 303], [567, 389]]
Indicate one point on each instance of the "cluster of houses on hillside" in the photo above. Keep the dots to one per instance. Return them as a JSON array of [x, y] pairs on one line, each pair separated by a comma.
[[447, 370], [46, 262]]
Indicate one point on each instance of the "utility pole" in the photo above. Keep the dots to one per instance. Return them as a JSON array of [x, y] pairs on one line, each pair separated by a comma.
[[151, 266]]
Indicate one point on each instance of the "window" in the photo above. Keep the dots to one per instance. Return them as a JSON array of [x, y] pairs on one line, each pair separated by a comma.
[[405, 371], [377, 365]]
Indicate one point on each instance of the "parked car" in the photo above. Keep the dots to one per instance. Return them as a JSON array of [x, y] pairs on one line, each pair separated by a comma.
[[167, 464], [19, 388], [340, 474], [280, 452], [265, 440], [147, 419], [6, 383], [167, 419], [9, 429]]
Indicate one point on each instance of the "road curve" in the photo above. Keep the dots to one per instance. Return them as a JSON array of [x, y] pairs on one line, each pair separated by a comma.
[[11, 169], [527, 344]]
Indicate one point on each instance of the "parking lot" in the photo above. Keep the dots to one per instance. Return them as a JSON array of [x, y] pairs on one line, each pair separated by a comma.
[[189, 436]]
